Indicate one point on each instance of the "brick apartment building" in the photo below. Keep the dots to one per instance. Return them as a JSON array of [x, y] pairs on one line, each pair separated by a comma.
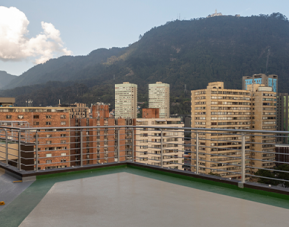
[[77, 110], [53, 144], [103, 144]]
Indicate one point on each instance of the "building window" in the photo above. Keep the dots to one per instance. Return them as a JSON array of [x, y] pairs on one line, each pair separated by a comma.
[[48, 135], [48, 142], [63, 135], [48, 123], [8, 116], [48, 155], [20, 117], [48, 161], [63, 160], [63, 141], [48, 116], [63, 123], [36, 116], [35, 123], [62, 116], [63, 154]]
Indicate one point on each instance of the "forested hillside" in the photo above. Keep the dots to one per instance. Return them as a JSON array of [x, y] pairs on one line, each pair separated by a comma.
[[191, 53], [5, 79]]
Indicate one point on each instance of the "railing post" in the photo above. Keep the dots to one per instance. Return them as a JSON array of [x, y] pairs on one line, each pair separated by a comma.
[[162, 148], [118, 145], [132, 144], [197, 153], [243, 161], [19, 150], [36, 149], [6, 147], [81, 148]]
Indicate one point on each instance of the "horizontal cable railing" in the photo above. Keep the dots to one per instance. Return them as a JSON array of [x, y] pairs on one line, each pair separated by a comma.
[[243, 155]]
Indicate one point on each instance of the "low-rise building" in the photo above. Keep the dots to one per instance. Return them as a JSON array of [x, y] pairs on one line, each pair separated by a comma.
[[160, 146], [7, 101]]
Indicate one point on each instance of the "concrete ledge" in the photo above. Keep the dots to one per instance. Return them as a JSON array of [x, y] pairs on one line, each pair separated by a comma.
[[32, 175], [25, 174], [13, 174], [189, 174], [273, 189], [31, 178]]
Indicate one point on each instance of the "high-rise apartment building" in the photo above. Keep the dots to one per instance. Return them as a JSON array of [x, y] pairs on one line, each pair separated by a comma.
[[216, 107], [125, 100], [282, 116], [159, 97], [102, 144], [267, 81], [263, 118]]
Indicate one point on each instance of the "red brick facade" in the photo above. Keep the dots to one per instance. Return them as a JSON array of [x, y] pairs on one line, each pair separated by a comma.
[[59, 147], [53, 144], [100, 111], [150, 113]]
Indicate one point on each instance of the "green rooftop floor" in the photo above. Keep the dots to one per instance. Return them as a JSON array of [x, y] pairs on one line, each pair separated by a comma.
[[21, 207]]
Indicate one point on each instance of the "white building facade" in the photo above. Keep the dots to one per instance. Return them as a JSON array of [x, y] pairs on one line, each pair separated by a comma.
[[125, 100], [159, 97], [160, 146]]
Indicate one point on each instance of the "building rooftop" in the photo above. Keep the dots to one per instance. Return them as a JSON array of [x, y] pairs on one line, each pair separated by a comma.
[[135, 195]]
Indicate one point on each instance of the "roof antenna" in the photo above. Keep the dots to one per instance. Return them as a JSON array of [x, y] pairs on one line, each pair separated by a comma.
[[267, 60]]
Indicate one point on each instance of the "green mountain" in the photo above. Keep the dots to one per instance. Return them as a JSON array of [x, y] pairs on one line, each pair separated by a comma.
[[64, 68], [5, 79], [191, 53]]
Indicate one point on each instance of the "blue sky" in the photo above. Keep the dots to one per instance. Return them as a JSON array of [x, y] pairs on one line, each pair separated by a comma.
[[90, 24]]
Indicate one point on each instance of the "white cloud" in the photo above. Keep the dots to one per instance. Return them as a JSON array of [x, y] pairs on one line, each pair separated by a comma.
[[14, 44]]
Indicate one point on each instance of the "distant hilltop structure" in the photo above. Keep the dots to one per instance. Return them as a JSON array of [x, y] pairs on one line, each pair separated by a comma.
[[216, 14]]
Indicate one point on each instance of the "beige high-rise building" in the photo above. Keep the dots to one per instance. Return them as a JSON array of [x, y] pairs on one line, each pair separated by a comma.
[[125, 100], [159, 97], [263, 118], [216, 107], [150, 149]]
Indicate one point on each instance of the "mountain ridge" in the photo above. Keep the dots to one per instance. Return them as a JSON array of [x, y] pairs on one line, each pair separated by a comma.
[[192, 53], [5, 78]]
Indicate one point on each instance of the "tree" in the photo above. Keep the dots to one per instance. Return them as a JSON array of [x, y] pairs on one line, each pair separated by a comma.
[[266, 173], [282, 175]]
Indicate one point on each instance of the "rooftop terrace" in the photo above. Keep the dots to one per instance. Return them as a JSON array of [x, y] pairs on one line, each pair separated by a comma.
[[137, 195], [142, 176]]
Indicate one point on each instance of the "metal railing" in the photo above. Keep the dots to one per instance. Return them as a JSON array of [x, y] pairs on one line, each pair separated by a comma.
[[241, 155]]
